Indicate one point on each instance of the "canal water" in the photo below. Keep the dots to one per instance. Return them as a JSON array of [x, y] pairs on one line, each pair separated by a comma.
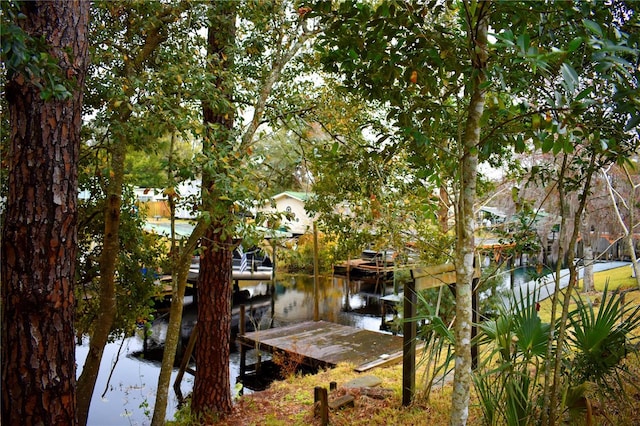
[[125, 389], [125, 393]]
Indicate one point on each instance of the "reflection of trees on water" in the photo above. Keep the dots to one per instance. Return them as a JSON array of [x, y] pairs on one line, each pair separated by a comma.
[[288, 300]]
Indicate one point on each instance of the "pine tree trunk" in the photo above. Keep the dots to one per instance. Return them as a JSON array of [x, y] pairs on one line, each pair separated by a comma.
[[39, 235], [587, 277], [212, 388]]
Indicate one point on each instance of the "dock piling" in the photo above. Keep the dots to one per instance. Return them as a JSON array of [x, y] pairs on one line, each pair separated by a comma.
[[321, 404], [243, 349]]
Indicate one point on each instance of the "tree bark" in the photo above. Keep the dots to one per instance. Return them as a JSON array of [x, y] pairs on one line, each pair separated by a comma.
[[134, 63], [477, 30], [212, 389], [39, 231], [556, 383], [175, 321], [587, 276], [628, 231], [108, 265]]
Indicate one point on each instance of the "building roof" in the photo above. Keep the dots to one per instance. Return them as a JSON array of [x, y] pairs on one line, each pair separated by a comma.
[[493, 210], [302, 196]]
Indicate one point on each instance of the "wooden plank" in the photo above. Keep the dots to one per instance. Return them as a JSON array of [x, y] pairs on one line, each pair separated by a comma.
[[342, 402], [321, 398], [383, 360], [438, 275], [321, 342], [432, 270]]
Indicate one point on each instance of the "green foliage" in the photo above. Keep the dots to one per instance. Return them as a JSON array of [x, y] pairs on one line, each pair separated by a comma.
[[517, 341], [601, 339], [280, 159], [438, 354], [521, 236], [149, 168], [138, 260], [28, 56], [299, 256], [509, 380]]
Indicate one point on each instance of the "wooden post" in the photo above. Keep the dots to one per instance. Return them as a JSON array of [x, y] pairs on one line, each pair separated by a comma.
[[185, 359], [316, 306], [333, 386], [321, 399], [424, 278], [273, 261], [243, 350], [409, 343]]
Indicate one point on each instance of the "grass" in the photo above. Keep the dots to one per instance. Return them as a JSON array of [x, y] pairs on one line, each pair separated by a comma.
[[290, 402], [618, 278]]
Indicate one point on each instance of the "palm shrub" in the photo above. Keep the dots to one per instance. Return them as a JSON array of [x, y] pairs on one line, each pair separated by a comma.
[[600, 340], [507, 380]]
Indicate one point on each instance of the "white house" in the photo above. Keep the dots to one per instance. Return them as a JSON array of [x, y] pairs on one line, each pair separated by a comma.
[[292, 202], [189, 192]]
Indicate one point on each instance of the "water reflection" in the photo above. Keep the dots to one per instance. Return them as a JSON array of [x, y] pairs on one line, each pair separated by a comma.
[[130, 394]]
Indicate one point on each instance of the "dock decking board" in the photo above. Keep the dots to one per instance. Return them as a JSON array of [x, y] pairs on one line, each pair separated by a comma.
[[326, 343]]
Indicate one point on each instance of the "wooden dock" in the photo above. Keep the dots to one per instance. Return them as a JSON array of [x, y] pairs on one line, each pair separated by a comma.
[[359, 267], [325, 344]]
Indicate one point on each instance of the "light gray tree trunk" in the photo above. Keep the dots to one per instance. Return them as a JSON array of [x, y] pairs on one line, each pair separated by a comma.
[[587, 278], [628, 233], [587, 250], [465, 223]]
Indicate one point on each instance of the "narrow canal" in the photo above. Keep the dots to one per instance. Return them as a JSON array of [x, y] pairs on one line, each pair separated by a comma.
[[128, 396]]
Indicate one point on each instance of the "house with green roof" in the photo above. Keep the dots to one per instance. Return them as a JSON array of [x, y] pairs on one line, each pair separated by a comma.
[[293, 203]]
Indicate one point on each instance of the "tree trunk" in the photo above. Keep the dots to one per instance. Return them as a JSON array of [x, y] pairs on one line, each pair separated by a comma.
[[39, 231], [465, 223], [108, 266], [587, 254], [443, 209], [212, 388], [628, 231], [556, 384], [587, 277], [175, 321], [134, 63]]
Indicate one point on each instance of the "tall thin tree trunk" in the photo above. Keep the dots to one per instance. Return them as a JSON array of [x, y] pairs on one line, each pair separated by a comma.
[[39, 235], [587, 254], [587, 276], [108, 265], [628, 231], [133, 64], [573, 281], [546, 396], [180, 263], [477, 30]]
